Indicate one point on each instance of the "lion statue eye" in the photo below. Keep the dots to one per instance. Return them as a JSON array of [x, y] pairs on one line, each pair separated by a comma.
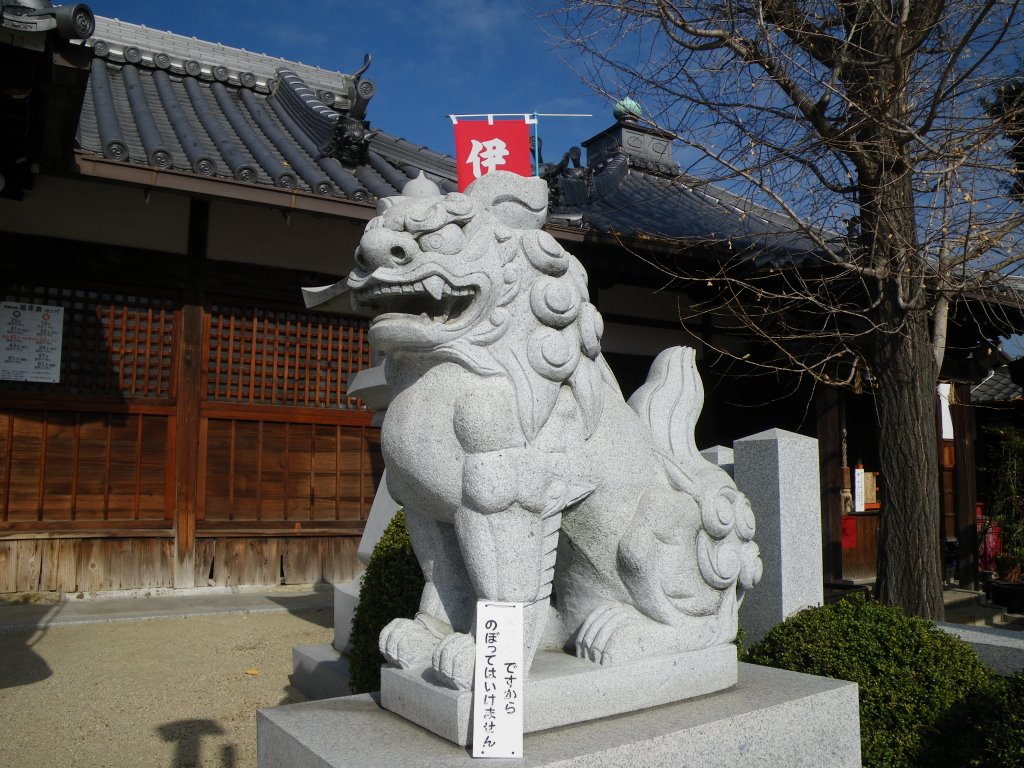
[[448, 240]]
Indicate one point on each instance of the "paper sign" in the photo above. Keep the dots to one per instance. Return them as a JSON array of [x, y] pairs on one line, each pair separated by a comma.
[[500, 145], [30, 342], [858, 489], [498, 680]]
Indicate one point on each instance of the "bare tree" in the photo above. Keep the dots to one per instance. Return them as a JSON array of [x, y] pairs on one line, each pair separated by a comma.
[[864, 123]]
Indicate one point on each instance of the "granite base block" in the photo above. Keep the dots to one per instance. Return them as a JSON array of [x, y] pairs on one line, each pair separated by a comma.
[[319, 671], [1001, 650], [346, 600], [563, 689], [769, 718]]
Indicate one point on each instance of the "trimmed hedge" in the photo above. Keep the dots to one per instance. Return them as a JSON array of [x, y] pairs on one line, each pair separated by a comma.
[[912, 677], [389, 589], [987, 731]]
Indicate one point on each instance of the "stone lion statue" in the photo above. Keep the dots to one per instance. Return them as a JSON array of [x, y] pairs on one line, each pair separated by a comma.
[[524, 475]]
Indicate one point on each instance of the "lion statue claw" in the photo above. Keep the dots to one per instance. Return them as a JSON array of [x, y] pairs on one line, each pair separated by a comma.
[[524, 474]]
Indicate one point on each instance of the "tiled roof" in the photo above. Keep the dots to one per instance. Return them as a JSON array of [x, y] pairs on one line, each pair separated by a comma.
[[996, 388], [157, 99], [175, 103], [634, 202]]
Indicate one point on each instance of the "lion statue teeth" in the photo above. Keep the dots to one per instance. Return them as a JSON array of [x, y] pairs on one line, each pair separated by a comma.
[[524, 474]]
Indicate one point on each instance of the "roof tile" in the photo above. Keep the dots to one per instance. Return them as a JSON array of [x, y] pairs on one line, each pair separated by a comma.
[[209, 109]]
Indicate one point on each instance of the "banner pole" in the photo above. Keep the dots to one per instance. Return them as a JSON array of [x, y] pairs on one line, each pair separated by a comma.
[[536, 145]]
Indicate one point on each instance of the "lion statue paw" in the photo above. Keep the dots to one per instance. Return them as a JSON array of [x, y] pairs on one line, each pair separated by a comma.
[[407, 643], [455, 659]]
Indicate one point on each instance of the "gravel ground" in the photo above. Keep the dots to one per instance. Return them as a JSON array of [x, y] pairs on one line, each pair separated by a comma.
[[176, 692]]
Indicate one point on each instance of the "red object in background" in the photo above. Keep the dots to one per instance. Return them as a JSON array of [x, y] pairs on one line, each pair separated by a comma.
[[849, 531], [482, 147], [990, 539]]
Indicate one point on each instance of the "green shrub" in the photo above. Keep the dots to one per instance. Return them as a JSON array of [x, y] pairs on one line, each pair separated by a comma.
[[911, 675], [986, 731], [389, 589]]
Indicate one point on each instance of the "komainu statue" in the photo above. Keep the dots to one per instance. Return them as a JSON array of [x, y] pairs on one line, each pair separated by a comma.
[[524, 475]]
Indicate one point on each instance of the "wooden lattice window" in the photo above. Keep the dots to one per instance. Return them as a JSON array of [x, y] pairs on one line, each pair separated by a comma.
[[115, 344], [264, 356]]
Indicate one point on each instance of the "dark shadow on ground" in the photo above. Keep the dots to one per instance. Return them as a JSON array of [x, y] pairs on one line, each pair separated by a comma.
[[292, 695], [27, 616], [317, 608], [187, 735], [19, 664]]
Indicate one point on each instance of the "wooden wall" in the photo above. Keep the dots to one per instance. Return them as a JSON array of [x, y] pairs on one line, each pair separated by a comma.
[[860, 559], [201, 433], [86, 565], [103, 564]]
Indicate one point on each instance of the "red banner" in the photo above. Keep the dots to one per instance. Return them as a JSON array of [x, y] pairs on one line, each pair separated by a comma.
[[482, 147], [849, 531]]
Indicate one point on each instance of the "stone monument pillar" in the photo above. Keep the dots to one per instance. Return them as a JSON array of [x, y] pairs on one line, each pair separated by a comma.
[[778, 472]]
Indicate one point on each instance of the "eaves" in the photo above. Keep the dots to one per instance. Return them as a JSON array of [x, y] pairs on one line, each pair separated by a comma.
[[221, 188]]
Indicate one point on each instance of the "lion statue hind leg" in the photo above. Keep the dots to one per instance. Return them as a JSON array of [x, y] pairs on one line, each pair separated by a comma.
[[688, 543]]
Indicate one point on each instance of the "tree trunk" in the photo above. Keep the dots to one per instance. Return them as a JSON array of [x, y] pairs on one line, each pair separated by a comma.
[[909, 555], [903, 364]]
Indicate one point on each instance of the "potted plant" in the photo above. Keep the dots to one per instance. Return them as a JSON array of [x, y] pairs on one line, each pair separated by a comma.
[[1008, 564]]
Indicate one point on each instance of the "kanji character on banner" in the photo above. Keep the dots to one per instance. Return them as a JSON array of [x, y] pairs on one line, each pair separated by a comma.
[[483, 146]]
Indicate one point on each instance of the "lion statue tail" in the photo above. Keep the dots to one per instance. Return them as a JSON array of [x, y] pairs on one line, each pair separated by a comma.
[[669, 403]]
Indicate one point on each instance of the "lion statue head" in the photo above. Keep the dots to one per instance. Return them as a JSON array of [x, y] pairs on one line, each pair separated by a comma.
[[472, 278]]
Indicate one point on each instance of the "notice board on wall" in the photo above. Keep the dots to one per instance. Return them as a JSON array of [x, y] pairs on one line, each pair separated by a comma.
[[30, 342]]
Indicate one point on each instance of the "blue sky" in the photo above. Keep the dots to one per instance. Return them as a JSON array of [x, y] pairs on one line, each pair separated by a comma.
[[430, 58]]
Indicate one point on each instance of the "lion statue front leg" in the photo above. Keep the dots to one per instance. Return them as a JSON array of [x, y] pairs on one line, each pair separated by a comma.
[[447, 602], [500, 545], [504, 549], [508, 534]]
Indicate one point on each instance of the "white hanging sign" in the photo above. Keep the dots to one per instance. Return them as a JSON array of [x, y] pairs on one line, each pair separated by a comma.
[[858, 489], [30, 342], [498, 680]]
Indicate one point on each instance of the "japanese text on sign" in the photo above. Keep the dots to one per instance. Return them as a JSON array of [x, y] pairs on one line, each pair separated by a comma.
[[498, 680], [30, 342], [485, 146]]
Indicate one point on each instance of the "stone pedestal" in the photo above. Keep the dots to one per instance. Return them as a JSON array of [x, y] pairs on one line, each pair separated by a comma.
[[769, 718], [319, 671], [564, 689], [1002, 650], [322, 671]]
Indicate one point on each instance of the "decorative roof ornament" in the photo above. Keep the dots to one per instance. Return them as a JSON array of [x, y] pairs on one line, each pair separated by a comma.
[[72, 22], [350, 139], [421, 186], [627, 109]]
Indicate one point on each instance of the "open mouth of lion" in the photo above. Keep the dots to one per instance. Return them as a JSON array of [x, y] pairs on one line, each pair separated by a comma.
[[432, 300]]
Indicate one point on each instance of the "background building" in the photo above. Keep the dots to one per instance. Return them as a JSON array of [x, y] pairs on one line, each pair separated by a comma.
[[173, 195]]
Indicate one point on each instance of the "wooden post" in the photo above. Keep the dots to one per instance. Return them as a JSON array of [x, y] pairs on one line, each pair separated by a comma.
[[186, 449], [190, 389], [830, 469], [964, 428]]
